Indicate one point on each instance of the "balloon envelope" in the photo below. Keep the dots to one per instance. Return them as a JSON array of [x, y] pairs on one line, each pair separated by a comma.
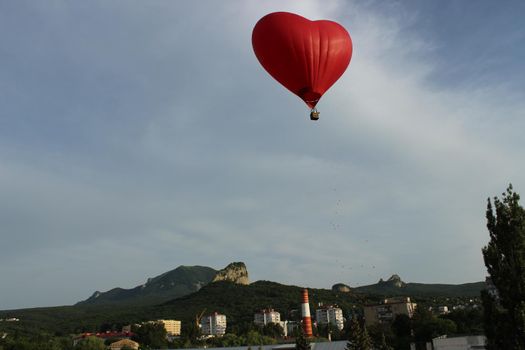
[[307, 57]]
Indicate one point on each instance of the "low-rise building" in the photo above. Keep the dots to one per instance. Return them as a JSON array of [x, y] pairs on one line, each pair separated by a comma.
[[459, 343], [388, 310], [214, 324], [103, 335], [172, 327], [124, 344], [266, 316], [330, 314]]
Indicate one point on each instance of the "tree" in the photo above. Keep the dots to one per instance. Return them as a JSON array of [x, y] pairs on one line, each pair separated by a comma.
[[504, 258], [301, 343], [273, 330], [191, 332], [91, 343], [152, 335], [358, 337], [378, 331]]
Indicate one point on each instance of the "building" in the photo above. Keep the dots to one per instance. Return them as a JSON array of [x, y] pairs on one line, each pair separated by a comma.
[[124, 344], [214, 324], [459, 343], [172, 327], [334, 345], [330, 315], [266, 316], [104, 335], [388, 310]]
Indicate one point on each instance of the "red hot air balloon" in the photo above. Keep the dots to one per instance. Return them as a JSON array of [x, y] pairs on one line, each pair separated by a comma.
[[307, 57]]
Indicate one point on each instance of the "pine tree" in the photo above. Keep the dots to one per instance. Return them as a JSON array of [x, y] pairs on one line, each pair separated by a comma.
[[366, 341], [301, 343], [358, 338], [505, 260]]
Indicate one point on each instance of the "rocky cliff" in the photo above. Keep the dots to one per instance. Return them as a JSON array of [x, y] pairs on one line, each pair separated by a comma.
[[394, 281], [235, 272]]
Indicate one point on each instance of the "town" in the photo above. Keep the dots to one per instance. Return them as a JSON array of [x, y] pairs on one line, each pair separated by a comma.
[[327, 322]]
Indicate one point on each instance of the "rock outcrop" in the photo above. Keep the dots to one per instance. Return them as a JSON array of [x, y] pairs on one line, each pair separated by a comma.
[[394, 281], [235, 272], [340, 287]]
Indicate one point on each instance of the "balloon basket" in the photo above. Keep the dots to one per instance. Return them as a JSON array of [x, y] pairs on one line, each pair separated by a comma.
[[314, 114]]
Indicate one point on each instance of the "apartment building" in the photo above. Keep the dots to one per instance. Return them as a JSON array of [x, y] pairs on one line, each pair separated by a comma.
[[330, 314], [388, 310], [214, 324], [172, 327], [266, 316]]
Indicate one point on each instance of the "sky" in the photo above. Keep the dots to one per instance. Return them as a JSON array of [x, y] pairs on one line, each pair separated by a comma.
[[139, 136]]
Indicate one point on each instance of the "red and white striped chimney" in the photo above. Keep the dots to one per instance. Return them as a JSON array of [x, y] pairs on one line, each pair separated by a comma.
[[307, 320]]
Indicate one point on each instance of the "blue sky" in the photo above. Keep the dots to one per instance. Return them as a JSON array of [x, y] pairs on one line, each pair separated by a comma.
[[139, 136]]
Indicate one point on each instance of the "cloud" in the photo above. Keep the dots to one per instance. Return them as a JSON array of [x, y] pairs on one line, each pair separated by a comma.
[[138, 137]]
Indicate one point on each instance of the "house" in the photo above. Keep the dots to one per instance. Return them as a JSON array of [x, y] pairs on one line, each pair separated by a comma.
[[124, 344]]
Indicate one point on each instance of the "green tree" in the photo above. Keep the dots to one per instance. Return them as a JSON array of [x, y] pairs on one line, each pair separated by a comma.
[[358, 337], [273, 330], [190, 332], [427, 326], [302, 343], [90, 343], [380, 331], [229, 340], [151, 335], [504, 258]]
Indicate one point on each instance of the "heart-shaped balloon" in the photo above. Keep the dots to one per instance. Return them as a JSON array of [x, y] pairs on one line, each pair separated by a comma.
[[307, 57]]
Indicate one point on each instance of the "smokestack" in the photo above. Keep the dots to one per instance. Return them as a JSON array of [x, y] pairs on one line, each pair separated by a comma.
[[307, 320]]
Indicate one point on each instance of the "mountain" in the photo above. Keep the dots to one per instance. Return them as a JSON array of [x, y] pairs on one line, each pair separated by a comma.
[[172, 284], [238, 301], [394, 286]]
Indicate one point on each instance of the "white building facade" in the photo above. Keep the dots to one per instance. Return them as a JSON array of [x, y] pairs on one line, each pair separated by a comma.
[[214, 324], [330, 315], [266, 316]]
